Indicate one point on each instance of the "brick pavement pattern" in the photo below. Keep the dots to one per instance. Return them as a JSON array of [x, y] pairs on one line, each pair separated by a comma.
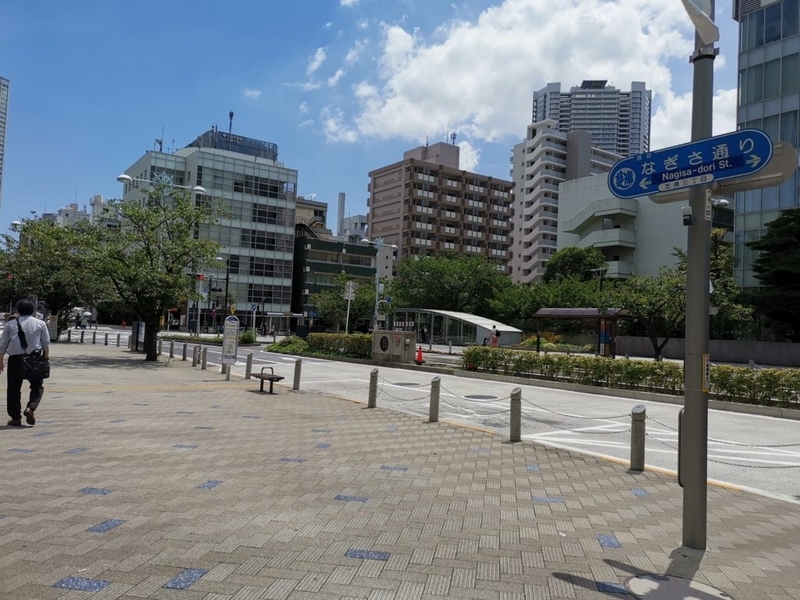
[[160, 481]]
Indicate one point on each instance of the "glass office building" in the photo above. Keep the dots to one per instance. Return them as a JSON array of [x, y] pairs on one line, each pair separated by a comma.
[[769, 99], [256, 234]]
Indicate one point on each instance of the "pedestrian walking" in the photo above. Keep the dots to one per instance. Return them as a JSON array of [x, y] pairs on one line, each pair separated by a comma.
[[423, 332], [494, 337], [34, 338]]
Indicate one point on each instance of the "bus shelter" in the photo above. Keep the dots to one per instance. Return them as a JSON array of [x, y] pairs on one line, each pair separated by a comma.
[[444, 326]]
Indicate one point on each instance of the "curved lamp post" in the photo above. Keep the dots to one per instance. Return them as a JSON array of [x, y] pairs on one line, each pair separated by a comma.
[[127, 180]]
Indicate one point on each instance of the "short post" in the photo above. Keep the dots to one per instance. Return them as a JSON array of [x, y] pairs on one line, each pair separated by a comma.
[[69, 335], [184, 353], [297, 364], [130, 342], [372, 402], [433, 411], [159, 347], [82, 334], [119, 339], [172, 349], [204, 360], [638, 416], [248, 366], [227, 372], [94, 337], [105, 342], [195, 355], [450, 347], [516, 415]]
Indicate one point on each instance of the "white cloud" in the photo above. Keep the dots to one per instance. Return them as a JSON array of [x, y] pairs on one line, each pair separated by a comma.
[[671, 124], [248, 93], [334, 79], [363, 24], [479, 76], [303, 108], [354, 52], [348, 2], [469, 156], [335, 126], [316, 61], [328, 25]]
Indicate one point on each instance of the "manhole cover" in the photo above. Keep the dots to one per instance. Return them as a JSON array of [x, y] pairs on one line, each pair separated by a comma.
[[480, 397], [406, 384], [660, 587]]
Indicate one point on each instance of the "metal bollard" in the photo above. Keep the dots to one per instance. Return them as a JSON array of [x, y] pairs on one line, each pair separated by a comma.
[[372, 402], [516, 415], [130, 342], [184, 353], [119, 338], [450, 347], [433, 411], [204, 360], [159, 347], [69, 335], [195, 355], [94, 337], [105, 342], [82, 333], [172, 349], [638, 416], [227, 372], [248, 367], [297, 365]]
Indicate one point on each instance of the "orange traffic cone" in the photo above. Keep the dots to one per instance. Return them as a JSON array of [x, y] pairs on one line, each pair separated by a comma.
[[419, 360]]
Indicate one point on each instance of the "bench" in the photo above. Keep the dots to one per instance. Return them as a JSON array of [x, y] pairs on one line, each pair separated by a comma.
[[271, 377]]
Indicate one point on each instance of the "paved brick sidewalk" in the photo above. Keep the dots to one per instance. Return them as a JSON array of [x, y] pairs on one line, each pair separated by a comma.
[[161, 481]]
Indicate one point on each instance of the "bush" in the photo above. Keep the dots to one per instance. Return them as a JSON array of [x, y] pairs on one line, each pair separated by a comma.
[[247, 337], [353, 345], [289, 345]]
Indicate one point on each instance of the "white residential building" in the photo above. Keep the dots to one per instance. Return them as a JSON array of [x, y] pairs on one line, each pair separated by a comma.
[[545, 159], [618, 121]]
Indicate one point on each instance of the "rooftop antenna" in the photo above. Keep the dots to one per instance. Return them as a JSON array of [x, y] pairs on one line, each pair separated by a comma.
[[230, 128], [160, 143], [453, 137]]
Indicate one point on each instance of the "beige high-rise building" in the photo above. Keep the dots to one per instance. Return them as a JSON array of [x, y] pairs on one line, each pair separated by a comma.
[[4, 85], [427, 204]]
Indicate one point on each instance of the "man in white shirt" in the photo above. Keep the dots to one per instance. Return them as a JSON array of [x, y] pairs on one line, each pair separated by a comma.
[[38, 340]]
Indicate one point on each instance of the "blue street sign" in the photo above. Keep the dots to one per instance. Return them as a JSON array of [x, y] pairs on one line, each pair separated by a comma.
[[734, 154], [254, 307]]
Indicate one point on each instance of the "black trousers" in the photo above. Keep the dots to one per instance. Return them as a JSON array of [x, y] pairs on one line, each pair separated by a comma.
[[14, 389]]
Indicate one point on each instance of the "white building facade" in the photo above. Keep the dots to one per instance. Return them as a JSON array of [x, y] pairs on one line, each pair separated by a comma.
[[257, 233], [544, 160], [618, 121]]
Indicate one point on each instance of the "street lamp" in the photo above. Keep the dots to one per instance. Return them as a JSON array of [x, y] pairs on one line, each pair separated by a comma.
[[127, 180], [379, 245], [600, 272], [693, 465], [227, 280]]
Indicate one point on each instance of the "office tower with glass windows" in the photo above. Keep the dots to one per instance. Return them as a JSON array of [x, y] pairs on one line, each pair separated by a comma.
[[4, 85], [769, 99], [618, 121]]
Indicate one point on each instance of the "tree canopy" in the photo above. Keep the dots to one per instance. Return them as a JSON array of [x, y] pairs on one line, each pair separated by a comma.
[[574, 263], [153, 258], [448, 282], [777, 268], [332, 305]]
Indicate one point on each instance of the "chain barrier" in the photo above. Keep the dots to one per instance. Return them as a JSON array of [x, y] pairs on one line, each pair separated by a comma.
[[727, 443], [401, 399], [749, 466], [670, 427], [589, 431], [474, 412], [575, 416], [662, 442]]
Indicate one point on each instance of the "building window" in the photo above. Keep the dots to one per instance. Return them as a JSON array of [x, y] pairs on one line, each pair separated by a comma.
[[791, 17], [772, 23], [790, 74]]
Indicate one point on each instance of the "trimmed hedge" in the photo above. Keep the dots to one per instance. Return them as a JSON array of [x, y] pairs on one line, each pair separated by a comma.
[[353, 345], [767, 387]]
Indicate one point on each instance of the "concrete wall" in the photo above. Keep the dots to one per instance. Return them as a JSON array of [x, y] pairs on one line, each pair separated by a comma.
[[783, 354]]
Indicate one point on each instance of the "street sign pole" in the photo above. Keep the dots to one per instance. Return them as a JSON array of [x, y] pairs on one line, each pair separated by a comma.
[[694, 445]]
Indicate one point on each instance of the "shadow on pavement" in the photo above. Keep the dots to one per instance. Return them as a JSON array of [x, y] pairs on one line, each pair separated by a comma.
[[132, 362]]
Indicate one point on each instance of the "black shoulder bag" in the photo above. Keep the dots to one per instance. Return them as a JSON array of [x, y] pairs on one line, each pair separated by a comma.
[[35, 366]]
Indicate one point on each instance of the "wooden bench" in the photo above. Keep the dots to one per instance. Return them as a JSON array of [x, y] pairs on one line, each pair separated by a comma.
[[271, 377]]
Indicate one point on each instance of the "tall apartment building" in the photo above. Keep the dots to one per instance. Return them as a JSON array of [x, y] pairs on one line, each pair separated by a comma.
[[427, 204], [4, 88], [769, 99], [544, 160], [618, 121], [257, 233]]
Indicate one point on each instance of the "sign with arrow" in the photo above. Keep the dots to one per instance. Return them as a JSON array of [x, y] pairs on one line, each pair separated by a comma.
[[735, 154]]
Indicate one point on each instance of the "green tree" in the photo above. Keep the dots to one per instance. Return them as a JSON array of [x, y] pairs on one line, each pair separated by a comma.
[[725, 296], [574, 263], [332, 306], [657, 303], [448, 282], [777, 269], [53, 264], [151, 261]]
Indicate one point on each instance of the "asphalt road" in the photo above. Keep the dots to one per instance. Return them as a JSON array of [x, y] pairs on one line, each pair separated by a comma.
[[760, 453]]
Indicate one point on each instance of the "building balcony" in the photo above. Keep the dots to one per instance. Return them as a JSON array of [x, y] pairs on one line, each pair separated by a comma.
[[474, 234], [606, 238], [604, 207], [619, 269], [423, 226]]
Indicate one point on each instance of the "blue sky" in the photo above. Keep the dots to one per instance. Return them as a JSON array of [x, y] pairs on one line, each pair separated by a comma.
[[342, 86]]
